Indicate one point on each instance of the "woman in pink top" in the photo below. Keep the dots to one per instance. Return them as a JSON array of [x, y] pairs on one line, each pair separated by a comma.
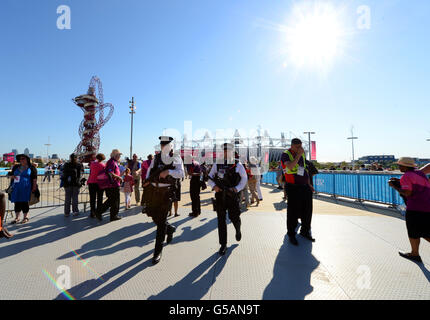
[[415, 188], [96, 194]]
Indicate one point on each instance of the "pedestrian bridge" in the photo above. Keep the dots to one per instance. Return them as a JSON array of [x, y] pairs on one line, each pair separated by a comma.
[[355, 256]]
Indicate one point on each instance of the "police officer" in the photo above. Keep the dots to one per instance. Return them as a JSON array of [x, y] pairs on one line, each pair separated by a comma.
[[299, 191], [195, 172], [227, 179], [160, 180]]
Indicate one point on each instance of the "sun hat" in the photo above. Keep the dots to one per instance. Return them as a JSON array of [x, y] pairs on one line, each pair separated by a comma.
[[115, 152], [406, 162]]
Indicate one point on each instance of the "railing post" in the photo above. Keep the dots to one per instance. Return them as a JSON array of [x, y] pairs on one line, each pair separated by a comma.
[[358, 187], [393, 197], [334, 185]]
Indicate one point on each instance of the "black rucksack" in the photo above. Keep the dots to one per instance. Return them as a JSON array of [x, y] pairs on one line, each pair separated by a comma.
[[70, 175]]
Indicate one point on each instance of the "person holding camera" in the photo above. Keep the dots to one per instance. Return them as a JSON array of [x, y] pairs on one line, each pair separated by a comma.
[[414, 187], [299, 191], [227, 179], [72, 174]]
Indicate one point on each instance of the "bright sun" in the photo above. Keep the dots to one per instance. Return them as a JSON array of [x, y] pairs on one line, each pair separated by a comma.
[[314, 35]]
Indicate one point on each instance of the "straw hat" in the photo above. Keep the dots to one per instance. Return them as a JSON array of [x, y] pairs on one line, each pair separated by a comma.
[[406, 162], [115, 152]]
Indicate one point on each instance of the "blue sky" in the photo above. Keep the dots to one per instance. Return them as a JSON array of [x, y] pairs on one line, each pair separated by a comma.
[[220, 64]]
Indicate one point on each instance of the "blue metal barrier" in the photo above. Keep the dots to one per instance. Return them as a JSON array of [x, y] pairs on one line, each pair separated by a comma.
[[362, 186]]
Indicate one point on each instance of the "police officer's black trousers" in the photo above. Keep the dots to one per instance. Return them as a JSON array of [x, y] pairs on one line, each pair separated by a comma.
[[228, 203], [195, 195], [158, 211], [299, 206]]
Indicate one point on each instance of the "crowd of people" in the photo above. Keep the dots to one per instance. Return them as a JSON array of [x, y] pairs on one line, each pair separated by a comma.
[[234, 183]]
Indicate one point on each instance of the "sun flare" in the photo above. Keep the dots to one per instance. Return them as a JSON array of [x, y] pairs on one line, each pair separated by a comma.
[[314, 35]]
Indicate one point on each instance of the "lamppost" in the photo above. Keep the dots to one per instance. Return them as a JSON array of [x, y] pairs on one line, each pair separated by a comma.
[[352, 138], [309, 139], [47, 148], [132, 112]]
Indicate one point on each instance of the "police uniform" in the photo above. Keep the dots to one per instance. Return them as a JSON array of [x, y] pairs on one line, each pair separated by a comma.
[[299, 195], [195, 172], [230, 176], [160, 194]]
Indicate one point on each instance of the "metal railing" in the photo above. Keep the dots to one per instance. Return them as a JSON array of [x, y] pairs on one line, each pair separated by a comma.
[[371, 186], [51, 195]]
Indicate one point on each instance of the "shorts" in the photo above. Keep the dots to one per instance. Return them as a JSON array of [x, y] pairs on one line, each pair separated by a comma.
[[418, 224]]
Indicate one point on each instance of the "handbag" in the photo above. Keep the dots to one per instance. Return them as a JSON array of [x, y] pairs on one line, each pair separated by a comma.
[[103, 179], [34, 198], [9, 191]]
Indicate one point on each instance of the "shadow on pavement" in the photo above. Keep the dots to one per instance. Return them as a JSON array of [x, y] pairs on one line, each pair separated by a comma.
[[279, 206], [292, 272], [103, 246], [80, 291], [425, 271], [51, 228], [189, 234], [189, 288], [203, 203]]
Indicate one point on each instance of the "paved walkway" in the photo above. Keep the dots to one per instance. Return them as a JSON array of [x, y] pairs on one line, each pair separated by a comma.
[[355, 256]]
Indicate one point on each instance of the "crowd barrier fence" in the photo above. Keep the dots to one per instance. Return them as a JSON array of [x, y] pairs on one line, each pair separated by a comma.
[[369, 186]]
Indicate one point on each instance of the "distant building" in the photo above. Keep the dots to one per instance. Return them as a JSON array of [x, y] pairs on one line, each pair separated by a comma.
[[55, 156], [26, 152], [31, 155], [15, 152], [421, 162], [372, 159], [9, 157]]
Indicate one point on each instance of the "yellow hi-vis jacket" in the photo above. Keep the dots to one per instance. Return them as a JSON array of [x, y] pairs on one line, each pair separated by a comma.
[[296, 168]]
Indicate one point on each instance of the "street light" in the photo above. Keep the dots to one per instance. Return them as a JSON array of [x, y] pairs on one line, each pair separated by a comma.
[[132, 112], [309, 139], [352, 138]]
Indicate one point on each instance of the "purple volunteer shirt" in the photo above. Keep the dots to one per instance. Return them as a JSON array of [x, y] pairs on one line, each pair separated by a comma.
[[417, 182], [112, 167]]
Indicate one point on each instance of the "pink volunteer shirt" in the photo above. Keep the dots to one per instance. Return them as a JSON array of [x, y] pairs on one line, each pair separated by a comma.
[[95, 169]]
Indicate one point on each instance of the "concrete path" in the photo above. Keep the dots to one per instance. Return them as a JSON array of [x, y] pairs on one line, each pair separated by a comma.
[[355, 256]]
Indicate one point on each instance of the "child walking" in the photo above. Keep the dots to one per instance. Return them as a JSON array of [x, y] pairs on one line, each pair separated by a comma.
[[128, 188]]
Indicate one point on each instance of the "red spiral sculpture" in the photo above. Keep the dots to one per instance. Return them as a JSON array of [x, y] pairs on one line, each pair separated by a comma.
[[89, 130]]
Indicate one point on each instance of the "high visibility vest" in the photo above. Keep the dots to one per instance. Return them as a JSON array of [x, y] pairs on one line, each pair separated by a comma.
[[296, 168]]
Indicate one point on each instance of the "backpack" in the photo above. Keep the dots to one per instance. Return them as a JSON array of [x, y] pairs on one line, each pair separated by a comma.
[[70, 175]]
